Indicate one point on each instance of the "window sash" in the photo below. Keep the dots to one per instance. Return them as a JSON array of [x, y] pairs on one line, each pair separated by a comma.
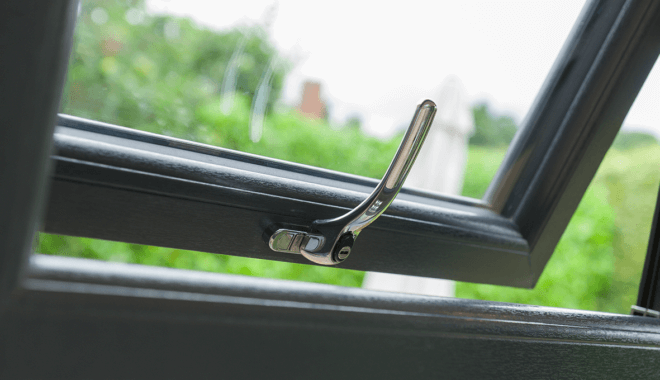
[[202, 201], [197, 197]]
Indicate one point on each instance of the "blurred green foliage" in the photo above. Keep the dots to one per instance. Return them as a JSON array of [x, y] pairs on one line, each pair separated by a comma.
[[491, 130], [176, 258], [163, 75], [482, 164], [153, 74], [629, 140], [632, 178], [289, 136]]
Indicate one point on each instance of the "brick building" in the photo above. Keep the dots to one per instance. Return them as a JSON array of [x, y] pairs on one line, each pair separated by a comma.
[[311, 104]]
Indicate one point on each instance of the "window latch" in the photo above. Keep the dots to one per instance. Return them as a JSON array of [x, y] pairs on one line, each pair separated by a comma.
[[329, 241]]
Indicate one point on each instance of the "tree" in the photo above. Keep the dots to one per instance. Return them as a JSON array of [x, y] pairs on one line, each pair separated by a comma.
[[152, 72], [491, 130]]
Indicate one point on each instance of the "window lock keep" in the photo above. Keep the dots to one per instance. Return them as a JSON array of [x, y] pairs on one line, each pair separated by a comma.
[[329, 241]]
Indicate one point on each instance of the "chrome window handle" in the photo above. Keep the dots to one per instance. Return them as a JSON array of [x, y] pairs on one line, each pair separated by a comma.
[[329, 241]]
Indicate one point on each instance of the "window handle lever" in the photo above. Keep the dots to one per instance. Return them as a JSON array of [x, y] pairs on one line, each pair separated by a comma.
[[329, 241]]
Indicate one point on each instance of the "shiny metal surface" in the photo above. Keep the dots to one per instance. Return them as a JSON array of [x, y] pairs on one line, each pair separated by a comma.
[[330, 241], [292, 241]]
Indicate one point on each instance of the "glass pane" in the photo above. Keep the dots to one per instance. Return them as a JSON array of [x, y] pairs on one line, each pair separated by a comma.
[[331, 85]]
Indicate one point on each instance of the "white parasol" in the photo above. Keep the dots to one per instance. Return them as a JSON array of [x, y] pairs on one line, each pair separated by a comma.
[[439, 167]]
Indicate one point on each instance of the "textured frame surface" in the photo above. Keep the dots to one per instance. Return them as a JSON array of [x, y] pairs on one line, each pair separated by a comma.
[[79, 318]]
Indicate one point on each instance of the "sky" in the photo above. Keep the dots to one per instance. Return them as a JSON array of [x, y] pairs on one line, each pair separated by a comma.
[[377, 61]]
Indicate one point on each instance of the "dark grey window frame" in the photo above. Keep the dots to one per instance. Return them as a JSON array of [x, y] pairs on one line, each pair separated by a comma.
[[198, 197], [74, 318]]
